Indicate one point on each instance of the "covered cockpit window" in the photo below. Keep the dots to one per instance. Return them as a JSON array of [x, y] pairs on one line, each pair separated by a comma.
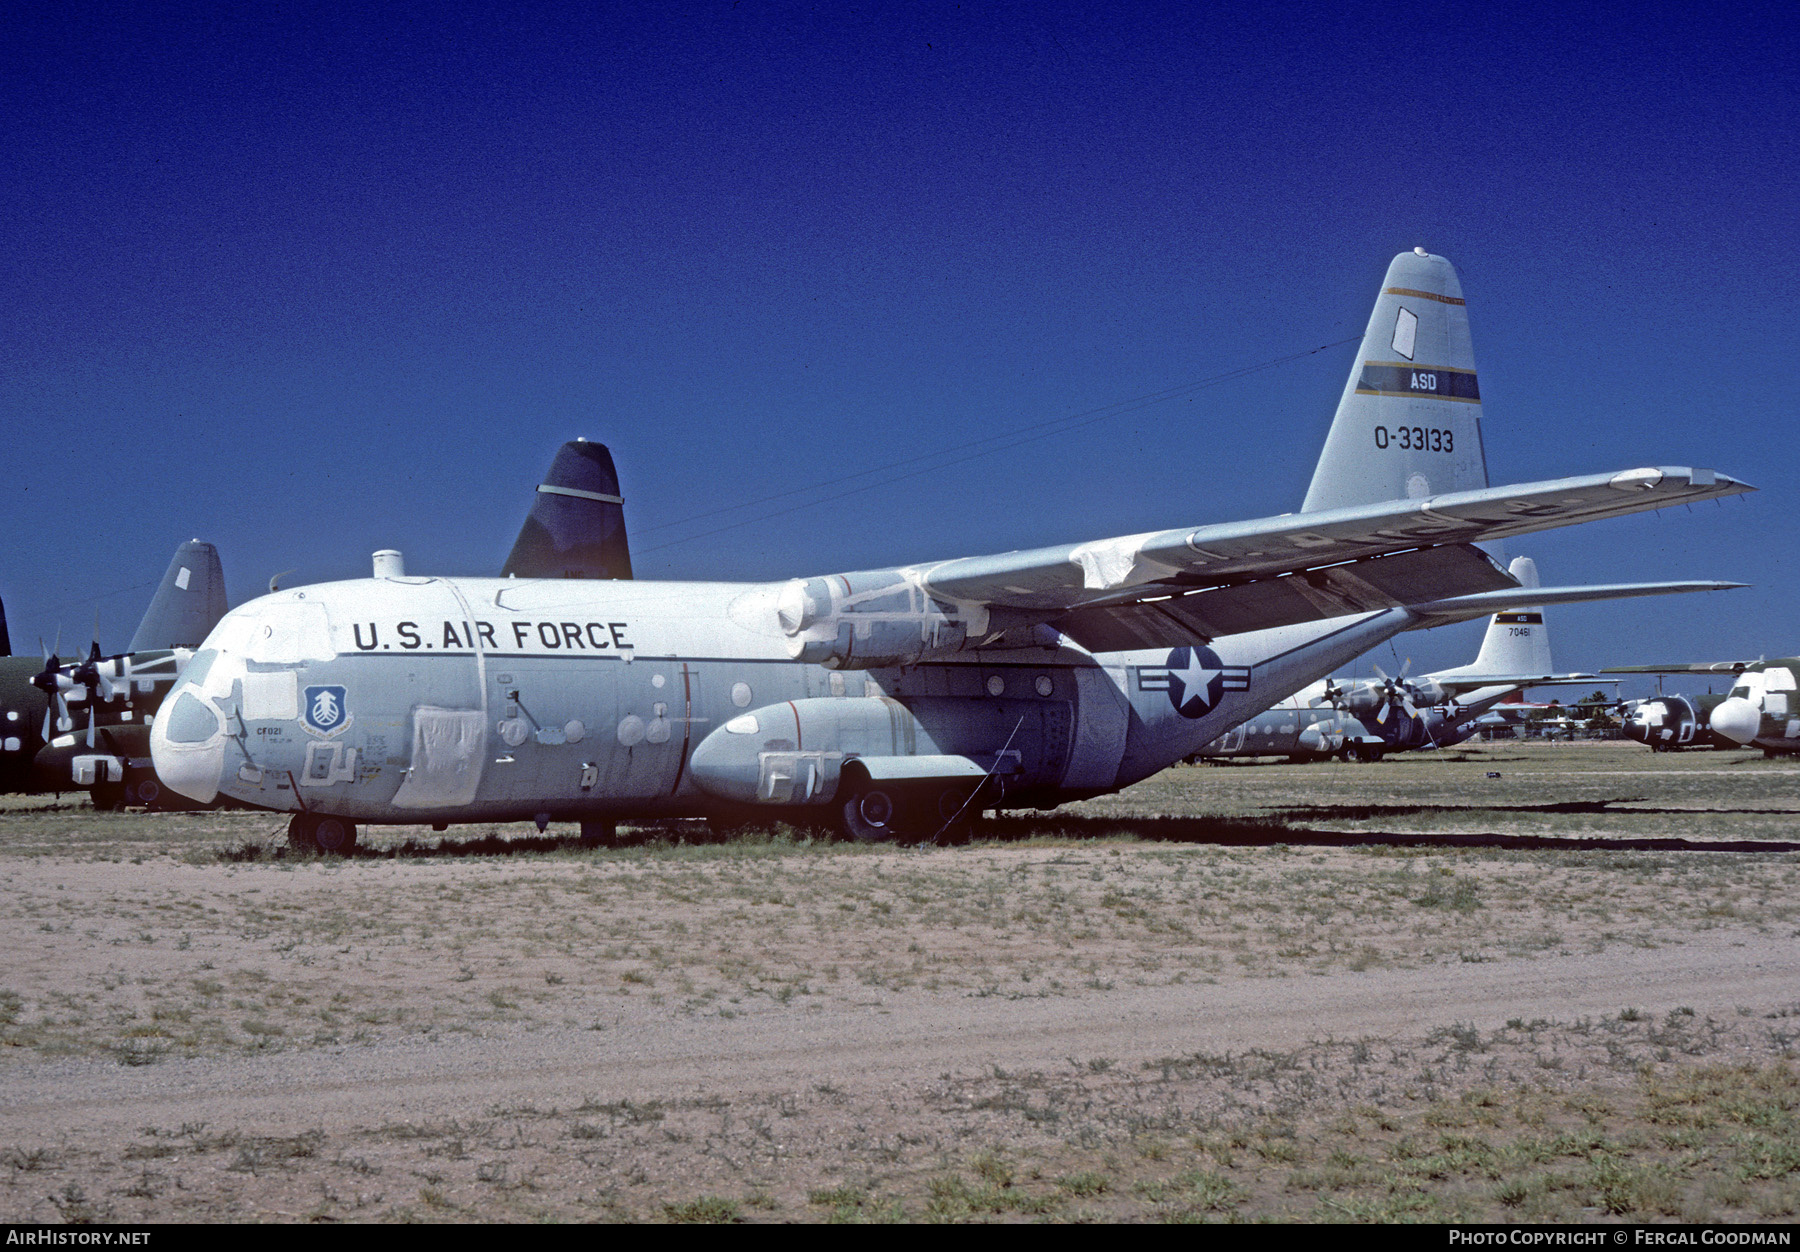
[[281, 633], [191, 720]]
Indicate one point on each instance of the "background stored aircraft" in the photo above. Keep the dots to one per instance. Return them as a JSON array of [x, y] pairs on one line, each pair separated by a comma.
[[74, 723], [1367, 718], [1761, 710]]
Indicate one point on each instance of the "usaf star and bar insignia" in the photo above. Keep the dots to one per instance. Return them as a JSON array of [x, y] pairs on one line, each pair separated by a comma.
[[1195, 679]]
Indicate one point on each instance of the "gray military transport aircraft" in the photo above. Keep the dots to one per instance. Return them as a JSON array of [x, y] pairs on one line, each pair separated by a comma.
[[894, 700]]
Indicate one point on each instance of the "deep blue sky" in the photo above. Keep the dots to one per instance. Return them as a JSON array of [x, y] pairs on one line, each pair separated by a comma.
[[309, 281]]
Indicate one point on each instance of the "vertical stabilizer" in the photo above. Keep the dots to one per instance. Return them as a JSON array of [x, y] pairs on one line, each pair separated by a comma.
[[189, 603], [1409, 423], [1517, 641], [5, 638], [576, 528]]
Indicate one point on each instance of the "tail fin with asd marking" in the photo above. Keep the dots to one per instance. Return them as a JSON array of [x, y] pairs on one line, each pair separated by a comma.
[[1409, 423]]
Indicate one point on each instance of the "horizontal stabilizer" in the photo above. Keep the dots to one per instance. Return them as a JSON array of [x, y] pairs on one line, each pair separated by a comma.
[[1462, 608]]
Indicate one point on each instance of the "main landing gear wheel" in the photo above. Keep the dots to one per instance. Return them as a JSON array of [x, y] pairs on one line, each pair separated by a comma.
[[595, 834], [871, 815], [312, 832]]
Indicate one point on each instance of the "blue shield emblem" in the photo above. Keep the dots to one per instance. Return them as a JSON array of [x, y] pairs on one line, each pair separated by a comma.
[[325, 709]]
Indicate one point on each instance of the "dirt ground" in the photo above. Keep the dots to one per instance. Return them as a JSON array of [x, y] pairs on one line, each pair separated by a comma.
[[1544, 982]]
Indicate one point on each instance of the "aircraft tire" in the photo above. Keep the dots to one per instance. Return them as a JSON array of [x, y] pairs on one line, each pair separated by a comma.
[[871, 815], [300, 833], [108, 797], [957, 815], [335, 836], [312, 832]]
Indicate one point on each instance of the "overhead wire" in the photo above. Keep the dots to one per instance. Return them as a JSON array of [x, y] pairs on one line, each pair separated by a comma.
[[973, 449]]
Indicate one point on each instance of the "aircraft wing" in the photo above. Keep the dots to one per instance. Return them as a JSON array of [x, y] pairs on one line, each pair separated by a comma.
[[1174, 587], [1518, 680], [1715, 667], [1136, 567]]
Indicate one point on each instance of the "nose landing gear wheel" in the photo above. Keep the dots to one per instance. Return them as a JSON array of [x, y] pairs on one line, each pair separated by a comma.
[[311, 832]]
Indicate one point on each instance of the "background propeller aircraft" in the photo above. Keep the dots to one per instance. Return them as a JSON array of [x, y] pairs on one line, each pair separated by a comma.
[[82, 722], [895, 699], [1762, 709], [1366, 718]]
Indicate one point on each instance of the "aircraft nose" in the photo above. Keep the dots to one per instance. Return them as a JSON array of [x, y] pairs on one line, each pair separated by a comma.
[[187, 744], [1737, 719]]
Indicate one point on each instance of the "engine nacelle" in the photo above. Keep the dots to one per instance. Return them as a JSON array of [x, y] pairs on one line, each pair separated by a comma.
[[873, 619], [795, 752]]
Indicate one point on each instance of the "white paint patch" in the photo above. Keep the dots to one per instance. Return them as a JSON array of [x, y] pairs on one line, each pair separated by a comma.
[[271, 697], [631, 730], [447, 757], [996, 685], [181, 579], [1406, 331], [574, 731], [657, 680], [741, 695], [1417, 487]]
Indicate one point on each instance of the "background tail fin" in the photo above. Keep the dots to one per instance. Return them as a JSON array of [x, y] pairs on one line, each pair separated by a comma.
[[1517, 641], [576, 528], [5, 639], [1409, 422], [187, 605]]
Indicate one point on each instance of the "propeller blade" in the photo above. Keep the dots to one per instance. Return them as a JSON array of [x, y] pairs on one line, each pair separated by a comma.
[[90, 737]]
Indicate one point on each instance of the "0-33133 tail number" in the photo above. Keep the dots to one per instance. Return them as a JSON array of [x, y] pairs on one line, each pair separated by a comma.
[[1416, 439]]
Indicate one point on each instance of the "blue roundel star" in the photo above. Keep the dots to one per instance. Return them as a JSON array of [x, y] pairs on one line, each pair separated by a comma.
[[1196, 680]]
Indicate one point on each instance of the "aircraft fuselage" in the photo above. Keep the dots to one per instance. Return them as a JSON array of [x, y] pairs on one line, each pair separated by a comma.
[[454, 700]]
